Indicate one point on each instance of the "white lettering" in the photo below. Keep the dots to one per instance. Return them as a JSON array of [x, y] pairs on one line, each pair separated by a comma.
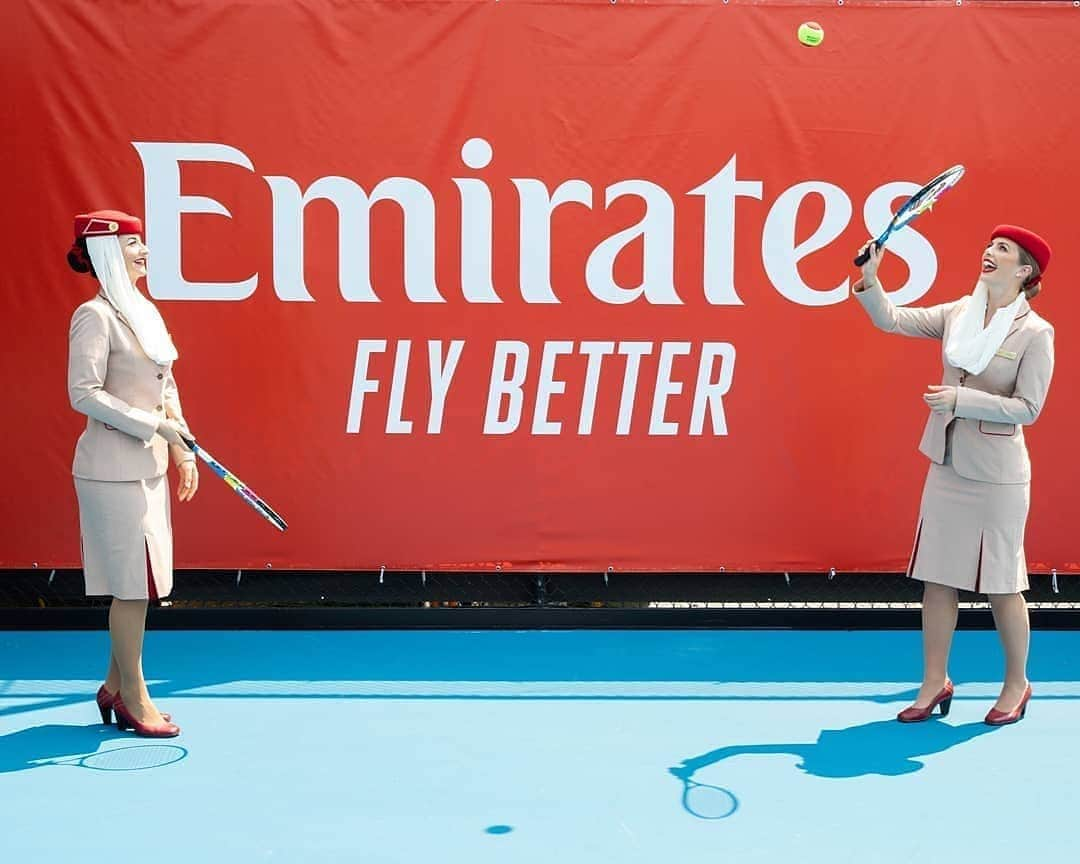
[[781, 255], [354, 236], [657, 230], [164, 206], [441, 376], [547, 386], [502, 386], [361, 383], [633, 351], [710, 393], [665, 387], [534, 268], [596, 352], [394, 422], [720, 193]]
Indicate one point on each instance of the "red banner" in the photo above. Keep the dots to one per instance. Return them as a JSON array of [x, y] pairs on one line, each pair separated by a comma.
[[546, 285]]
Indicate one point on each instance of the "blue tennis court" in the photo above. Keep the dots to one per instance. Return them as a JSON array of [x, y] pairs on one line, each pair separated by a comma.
[[573, 746]]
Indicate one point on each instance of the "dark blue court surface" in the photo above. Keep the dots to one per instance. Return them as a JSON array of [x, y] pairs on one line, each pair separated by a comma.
[[581, 746]]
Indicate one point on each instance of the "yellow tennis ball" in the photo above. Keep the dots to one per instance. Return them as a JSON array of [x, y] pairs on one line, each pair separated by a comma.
[[810, 33]]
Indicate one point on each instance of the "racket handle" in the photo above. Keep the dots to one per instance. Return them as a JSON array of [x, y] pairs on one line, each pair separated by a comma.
[[187, 439], [865, 256]]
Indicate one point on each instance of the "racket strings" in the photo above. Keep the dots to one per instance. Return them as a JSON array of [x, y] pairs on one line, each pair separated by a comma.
[[137, 758], [933, 196], [708, 802], [924, 200]]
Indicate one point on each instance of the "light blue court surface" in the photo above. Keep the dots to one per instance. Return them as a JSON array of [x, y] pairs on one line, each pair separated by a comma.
[[553, 747]]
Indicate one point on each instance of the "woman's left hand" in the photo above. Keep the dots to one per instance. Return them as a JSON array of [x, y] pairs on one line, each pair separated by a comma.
[[941, 399], [189, 481]]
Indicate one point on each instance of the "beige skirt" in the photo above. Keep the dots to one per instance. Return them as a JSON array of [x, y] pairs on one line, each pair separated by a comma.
[[123, 526], [971, 534]]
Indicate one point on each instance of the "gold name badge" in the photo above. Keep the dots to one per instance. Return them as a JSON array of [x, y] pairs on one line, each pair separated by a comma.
[[1008, 355]]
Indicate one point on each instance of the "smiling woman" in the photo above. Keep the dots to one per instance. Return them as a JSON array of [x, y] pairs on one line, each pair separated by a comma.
[[120, 376], [134, 252], [998, 356]]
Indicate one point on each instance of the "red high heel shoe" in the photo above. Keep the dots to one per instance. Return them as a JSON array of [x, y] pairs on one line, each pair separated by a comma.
[[105, 701], [1004, 718], [917, 715], [125, 721]]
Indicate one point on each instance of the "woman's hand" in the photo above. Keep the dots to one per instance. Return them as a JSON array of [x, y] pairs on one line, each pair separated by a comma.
[[941, 399], [870, 268], [189, 481]]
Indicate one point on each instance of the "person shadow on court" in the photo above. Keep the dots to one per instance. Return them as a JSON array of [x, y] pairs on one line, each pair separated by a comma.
[[883, 747], [50, 744]]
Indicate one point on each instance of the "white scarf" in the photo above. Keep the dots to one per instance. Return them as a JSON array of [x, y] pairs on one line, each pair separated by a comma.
[[971, 345], [139, 313]]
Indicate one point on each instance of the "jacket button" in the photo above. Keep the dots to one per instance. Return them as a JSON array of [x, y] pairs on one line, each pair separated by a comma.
[[160, 376], [158, 408]]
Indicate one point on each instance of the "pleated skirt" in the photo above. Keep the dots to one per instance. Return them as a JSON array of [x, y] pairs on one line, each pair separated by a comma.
[[971, 534], [125, 530]]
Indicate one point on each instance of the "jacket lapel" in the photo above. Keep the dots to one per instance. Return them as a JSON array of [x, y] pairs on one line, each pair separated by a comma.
[[1021, 317], [116, 312]]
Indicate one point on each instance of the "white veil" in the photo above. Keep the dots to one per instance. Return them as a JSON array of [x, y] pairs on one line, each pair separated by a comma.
[[139, 313]]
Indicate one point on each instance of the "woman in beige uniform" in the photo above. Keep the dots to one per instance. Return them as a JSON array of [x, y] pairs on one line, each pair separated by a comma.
[[120, 376], [999, 358]]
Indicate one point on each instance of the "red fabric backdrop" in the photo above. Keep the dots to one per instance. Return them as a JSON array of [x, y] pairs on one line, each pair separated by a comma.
[[745, 159]]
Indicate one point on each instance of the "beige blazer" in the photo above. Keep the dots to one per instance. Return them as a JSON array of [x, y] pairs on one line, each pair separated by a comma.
[[993, 407], [124, 395]]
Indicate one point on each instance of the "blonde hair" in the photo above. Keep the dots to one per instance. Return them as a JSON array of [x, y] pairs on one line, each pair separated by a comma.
[[1031, 285]]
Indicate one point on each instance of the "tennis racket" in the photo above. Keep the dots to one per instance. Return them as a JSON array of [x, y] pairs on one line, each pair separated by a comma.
[[136, 758], [237, 485], [916, 205]]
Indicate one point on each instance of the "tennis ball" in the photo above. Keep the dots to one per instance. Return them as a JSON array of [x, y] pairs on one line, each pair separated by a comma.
[[810, 33]]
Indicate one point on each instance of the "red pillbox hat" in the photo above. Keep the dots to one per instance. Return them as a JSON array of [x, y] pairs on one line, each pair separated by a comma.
[[102, 223], [1031, 242]]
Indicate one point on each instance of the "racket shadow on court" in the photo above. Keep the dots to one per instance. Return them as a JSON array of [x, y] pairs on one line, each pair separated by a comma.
[[884, 747], [99, 748]]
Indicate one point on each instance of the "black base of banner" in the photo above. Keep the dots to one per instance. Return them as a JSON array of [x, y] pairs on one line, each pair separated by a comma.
[[304, 599], [509, 588], [165, 618]]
